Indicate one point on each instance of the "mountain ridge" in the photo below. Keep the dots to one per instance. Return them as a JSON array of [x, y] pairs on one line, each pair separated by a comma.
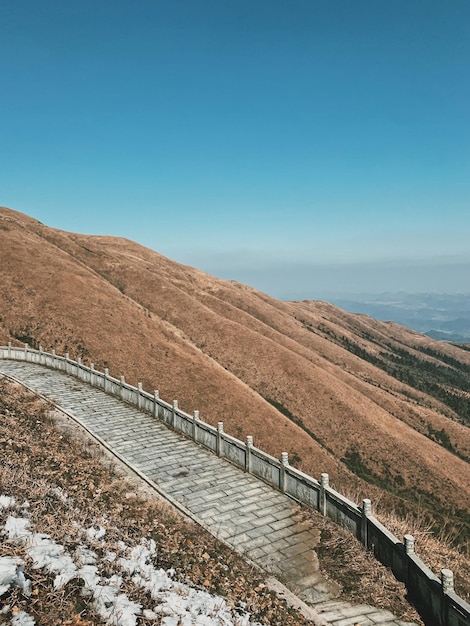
[[302, 377]]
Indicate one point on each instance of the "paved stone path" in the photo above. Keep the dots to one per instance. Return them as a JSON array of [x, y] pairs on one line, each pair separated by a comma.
[[256, 520]]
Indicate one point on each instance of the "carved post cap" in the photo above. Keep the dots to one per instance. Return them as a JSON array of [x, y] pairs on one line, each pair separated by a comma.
[[67, 356], [325, 480], [220, 427], [366, 507], [284, 458], [156, 394], [139, 386], [92, 366], [123, 380], [196, 415], [249, 441], [106, 371], [447, 579], [409, 544], [175, 404], [40, 349]]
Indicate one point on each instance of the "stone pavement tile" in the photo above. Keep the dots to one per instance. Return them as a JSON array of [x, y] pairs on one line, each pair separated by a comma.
[[210, 497], [363, 609], [330, 616], [331, 605], [283, 533], [276, 547], [238, 532], [296, 549], [251, 508], [296, 566], [207, 514], [287, 522], [229, 506], [251, 544], [264, 520], [350, 621], [194, 501], [254, 490], [258, 532], [379, 617]]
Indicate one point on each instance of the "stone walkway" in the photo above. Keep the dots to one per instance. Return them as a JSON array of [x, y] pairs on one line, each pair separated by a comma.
[[256, 520]]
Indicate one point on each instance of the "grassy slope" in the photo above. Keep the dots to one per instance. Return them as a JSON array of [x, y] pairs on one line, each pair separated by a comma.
[[36, 445], [303, 377]]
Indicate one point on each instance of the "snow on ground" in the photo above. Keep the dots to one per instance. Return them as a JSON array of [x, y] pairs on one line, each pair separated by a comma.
[[174, 602]]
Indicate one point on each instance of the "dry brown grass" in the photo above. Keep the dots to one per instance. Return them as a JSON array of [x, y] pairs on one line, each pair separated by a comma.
[[436, 548], [224, 348], [39, 463]]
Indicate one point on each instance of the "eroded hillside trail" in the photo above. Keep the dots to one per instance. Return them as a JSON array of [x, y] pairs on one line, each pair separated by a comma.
[[262, 524]]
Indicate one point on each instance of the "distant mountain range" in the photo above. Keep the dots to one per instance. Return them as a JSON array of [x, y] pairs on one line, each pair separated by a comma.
[[438, 315]]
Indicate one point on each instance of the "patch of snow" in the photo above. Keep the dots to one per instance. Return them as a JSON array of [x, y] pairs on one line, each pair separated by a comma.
[[6, 502], [8, 572], [95, 533], [85, 556], [21, 618], [176, 603], [17, 528]]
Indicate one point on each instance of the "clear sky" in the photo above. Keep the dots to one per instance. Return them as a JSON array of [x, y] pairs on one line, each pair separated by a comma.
[[305, 147]]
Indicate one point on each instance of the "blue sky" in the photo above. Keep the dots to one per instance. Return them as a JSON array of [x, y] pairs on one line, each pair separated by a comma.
[[307, 148]]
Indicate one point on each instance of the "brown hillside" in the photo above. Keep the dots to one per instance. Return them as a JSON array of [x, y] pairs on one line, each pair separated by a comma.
[[341, 393]]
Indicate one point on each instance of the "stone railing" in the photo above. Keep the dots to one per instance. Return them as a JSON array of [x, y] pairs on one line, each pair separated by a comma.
[[434, 597]]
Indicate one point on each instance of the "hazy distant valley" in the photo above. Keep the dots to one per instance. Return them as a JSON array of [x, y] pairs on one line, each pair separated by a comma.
[[438, 315]]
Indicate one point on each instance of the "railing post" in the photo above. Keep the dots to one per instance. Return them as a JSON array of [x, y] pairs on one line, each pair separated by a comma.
[[447, 582], [248, 446], [409, 542], [67, 363], [156, 397], [195, 421], [282, 471], [106, 375], [26, 351], [92, 375], [324, 484], [366, 512], [9, 349], [139, 395], [220, 430], [173, 413], [79, 363], [123, 382]]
